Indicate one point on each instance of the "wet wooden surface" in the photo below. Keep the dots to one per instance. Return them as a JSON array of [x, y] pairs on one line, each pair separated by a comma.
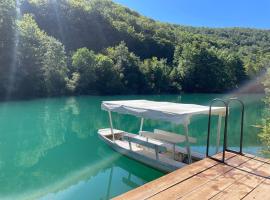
[[241, 177]]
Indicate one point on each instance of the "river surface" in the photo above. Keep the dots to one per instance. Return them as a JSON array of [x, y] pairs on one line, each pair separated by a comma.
[[49, 148]]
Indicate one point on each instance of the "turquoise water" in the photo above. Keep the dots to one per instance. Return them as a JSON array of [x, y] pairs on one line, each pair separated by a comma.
[[49, 148]]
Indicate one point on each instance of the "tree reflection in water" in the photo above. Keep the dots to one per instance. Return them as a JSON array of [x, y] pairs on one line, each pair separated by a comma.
[[50, 146]]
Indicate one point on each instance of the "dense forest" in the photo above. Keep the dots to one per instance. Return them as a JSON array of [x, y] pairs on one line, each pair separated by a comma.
[[73, 47]]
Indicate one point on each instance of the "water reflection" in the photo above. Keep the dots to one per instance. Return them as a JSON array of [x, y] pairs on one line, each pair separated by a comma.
[[50, 148], [104, 185]]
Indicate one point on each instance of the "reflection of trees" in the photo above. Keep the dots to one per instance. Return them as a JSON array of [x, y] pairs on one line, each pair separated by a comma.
[[84, 116], [131, 176], [44, 141], [117, 176], [49, 134], [48, 139], [37, 127]]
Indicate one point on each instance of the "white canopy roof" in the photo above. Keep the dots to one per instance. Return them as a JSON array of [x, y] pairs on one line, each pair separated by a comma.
[[178, 113]]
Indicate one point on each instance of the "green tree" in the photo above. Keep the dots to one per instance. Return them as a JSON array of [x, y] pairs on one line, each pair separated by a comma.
[[84, 63], [98, 24], [54, 67], [204, 69], [233, 68], [34, 63], [127, 65], [108, 80], [42, 68], [201, 69], [157, 74], [176, 80]]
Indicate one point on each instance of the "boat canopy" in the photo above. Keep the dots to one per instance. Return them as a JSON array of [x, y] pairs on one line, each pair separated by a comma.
[[177, 113]]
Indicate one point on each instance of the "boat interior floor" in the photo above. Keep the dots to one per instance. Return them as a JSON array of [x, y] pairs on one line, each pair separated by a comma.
[[179, 156]]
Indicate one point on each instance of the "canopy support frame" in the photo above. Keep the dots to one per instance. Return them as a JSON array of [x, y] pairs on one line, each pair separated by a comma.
[[141, 125], [111, 124], [187, 143]]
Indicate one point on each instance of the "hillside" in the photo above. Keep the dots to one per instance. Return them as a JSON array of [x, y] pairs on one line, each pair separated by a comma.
[[99, 24], [105, 48]]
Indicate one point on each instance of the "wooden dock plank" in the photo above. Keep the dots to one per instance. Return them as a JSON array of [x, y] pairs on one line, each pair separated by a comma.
[[242, 187], [217, 185], [260, 192], [200, 179], [150, 189], [165, 182], [242, 177]]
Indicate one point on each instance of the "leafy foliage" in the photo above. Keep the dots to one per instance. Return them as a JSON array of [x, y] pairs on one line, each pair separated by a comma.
[[127, 65], [83, 62], [99, 47], [102, 23], [108, 78], [157, 74], [205, 69], [42, 61]]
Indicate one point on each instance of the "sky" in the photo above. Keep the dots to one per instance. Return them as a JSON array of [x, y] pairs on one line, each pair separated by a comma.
[[207, 13]]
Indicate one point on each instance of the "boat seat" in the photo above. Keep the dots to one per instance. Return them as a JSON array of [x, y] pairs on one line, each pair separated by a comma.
[[167, 136], [163, 158], [107, 131], [159, 148]]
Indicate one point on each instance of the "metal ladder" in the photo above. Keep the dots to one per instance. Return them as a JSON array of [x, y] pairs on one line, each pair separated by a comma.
[[225, 147]]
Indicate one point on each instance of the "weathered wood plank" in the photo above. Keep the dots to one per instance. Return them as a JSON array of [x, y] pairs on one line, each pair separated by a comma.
[[242, 177], [260, 192], [217, 185], [200, 179], [245, 185], [240, 188], [150, 189]]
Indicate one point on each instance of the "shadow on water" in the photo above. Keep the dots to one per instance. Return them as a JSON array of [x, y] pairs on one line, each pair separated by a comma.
[[49, 148]]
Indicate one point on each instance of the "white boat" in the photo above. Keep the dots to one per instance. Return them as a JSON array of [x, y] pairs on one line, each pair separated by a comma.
[[159, 148]]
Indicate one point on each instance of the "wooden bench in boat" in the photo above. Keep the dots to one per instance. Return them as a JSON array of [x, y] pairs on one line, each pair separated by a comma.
[[178, 149], [159, 148], [166, 136], [156, 158], [163, 158], [151, 154], [107, 131]]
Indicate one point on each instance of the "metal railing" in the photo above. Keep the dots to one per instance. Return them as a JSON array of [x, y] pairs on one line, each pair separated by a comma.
[[241, 127], [225, 148], [225, 129]]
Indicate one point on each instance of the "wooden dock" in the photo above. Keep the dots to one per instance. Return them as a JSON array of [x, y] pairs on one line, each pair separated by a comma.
[[241, 177]]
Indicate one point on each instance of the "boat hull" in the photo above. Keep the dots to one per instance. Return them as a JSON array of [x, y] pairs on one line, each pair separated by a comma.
[[154, 163]]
